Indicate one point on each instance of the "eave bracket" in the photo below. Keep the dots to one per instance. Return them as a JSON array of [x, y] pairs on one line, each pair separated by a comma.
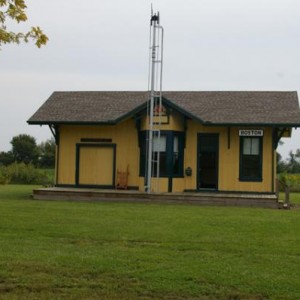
[[55, 132]]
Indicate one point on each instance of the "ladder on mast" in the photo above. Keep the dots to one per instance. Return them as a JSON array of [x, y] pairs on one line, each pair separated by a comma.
[[155, 89]]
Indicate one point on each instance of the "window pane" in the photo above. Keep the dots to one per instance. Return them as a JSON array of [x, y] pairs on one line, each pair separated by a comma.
[[159, 144], [255, 146], [175, 163], [251, 146], [247, 146], [162, 163], [175, 145], [251, 166]]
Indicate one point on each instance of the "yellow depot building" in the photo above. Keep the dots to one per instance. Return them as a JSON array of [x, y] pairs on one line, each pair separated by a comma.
[[216, 141]]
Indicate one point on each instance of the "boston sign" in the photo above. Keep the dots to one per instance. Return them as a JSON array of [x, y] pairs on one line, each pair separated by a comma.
[[251, 132]]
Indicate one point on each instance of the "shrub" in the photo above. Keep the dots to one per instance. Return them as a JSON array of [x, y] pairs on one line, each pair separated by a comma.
[[290, 180], [4, 178], [20, 173]]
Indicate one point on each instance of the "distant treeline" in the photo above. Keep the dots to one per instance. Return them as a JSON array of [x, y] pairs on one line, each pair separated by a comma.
[[26, 150]]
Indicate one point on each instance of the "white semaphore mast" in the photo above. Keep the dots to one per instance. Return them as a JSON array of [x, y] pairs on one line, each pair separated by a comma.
[[155, 77]]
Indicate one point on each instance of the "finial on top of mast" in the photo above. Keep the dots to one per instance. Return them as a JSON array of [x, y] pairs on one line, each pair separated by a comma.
[[154, 17]]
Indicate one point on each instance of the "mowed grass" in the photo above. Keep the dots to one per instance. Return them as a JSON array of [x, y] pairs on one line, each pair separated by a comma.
[[295, 187], [77, 250], [294, 197]]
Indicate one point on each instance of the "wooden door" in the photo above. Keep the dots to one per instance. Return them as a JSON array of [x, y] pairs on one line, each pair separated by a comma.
[[95, 165], [208, 162]]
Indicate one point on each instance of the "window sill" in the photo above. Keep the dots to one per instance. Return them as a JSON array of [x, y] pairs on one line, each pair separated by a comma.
[[250, 179], [165, 176]]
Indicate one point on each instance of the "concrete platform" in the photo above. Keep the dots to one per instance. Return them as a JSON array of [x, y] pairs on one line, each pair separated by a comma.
[[199, 198]]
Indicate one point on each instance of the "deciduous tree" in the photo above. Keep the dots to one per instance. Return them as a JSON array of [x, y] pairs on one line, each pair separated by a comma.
[[281, 165], [47, 154], [6, 158], [25, 149], [294, 162], [16, 10]]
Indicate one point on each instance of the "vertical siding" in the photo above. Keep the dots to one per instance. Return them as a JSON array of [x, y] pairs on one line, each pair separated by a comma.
[[229, 159], [125, 136], [229, 166], [190, 153], [176, 122], [275, 171], [56, 165]]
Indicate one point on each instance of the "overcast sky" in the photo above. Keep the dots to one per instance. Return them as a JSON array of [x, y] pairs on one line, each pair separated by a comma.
[[103, 45]]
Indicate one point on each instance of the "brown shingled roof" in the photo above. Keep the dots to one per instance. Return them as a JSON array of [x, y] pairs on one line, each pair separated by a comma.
[[87, 107], [269, 108], [240, 107]]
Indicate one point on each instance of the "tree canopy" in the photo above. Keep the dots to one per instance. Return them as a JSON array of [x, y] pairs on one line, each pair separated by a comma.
[[15, 10], [24, 149], [291, 164], [47, 154]]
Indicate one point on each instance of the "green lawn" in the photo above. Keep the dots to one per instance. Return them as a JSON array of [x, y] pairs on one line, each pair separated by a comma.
[[294, 197], [295, 181], [77, 250]]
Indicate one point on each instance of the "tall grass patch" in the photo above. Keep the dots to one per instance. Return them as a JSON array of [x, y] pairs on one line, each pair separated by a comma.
[[20, 173]]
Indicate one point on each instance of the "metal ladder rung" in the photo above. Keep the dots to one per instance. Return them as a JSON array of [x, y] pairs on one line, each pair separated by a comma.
[[157, 95]]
